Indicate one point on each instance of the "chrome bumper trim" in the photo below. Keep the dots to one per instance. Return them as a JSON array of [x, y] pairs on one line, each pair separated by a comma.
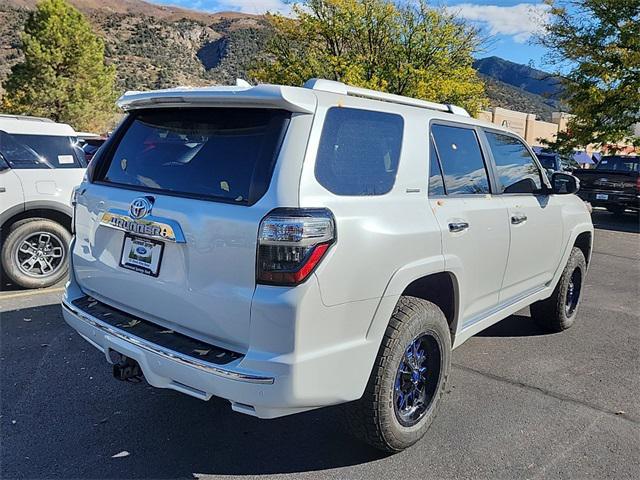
[[165, 352]]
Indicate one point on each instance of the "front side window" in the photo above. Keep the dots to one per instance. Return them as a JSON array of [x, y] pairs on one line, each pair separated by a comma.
[[40, 151], [461, 159], [517, 170], [359, 151], [224, 154]]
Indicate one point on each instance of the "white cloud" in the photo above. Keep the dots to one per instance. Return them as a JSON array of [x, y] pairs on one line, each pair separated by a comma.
[[518, 21]]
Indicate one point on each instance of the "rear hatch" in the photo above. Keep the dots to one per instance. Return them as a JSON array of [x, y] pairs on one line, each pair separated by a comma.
[[195, 177], [615, 174]]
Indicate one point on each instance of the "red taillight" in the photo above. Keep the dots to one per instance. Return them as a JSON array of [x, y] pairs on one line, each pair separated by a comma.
[[638, 183], [291, 243]]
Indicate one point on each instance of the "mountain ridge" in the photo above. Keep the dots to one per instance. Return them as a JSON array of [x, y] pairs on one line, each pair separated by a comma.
[[155, 46]]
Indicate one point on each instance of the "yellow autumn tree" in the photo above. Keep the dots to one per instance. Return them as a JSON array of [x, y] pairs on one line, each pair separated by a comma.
[[408, 49]]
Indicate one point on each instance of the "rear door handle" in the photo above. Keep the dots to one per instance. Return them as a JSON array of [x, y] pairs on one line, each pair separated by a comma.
[[2, 189], [518, 218], [458, 226]]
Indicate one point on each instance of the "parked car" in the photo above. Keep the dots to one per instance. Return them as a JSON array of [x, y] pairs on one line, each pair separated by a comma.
[[555, 162], [286, 248], [40, 163], [614, 184], [90, 143]]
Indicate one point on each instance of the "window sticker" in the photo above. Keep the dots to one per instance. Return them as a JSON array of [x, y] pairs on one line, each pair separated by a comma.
[[65, 159]]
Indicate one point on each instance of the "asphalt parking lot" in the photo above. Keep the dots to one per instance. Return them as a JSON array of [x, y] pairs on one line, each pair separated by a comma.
[[520, 403]]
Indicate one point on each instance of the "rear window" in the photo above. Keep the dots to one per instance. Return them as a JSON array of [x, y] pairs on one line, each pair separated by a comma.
[[547, 161], [40, 151], [224, 154], [619, 164], [359, 151]]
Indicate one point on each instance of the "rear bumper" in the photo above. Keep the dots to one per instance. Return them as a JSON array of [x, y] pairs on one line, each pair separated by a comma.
[[263, 383], [97, 328]]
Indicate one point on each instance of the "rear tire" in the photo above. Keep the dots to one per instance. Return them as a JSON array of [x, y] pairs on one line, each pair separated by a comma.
[[558, 312], [408, 378], [35, 253]]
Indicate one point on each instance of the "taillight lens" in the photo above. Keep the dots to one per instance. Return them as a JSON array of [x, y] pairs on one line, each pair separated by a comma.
[[291, 243]]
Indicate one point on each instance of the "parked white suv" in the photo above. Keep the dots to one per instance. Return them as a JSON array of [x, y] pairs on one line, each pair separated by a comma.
[[40, 163], [290, 248]]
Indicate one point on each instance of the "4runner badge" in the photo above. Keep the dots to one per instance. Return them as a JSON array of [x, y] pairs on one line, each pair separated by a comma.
[[149, 226]]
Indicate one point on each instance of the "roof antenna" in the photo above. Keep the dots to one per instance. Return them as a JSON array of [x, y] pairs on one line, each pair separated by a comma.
[[242, 83]]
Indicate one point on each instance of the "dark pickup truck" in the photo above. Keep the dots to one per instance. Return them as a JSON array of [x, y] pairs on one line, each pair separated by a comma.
[[613, 184]]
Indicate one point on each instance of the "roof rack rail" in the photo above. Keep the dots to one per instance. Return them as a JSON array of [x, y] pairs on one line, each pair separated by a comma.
[[344, 89], [26, 118]]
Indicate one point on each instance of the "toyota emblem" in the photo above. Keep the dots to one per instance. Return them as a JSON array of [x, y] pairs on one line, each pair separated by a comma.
[[141, 207]]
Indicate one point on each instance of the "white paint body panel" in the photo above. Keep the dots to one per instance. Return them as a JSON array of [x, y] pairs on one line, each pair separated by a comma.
[[11, 192], [317, 340]]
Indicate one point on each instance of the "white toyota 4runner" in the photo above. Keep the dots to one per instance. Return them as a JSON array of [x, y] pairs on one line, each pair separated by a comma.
[[40, 164], [290, 248]]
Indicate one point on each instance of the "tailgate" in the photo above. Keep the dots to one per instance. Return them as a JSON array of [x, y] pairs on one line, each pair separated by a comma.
[[610, 182], [168, 229]]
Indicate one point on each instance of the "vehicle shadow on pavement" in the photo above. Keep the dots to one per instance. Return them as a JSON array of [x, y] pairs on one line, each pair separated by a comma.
[[64, 416], [514, 326]]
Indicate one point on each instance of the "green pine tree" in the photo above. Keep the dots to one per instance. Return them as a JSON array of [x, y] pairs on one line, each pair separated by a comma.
[[63, 76]]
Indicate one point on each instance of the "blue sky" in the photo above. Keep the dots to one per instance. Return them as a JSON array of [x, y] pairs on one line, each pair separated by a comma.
[[508, 24]]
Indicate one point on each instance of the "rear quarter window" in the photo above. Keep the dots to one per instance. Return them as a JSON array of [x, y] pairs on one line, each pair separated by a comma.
[[22, 151], [221, 154], [359, 151]]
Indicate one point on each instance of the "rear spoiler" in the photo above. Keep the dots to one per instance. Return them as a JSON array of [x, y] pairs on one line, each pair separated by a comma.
[[298, 100]]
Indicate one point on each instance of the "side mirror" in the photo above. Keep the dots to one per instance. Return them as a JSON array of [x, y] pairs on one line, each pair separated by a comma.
[[564, 184]]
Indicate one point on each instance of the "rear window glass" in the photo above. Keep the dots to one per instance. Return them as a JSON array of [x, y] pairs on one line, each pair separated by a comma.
[[224, 154], [40, 151], [619, 164], [359, 151]]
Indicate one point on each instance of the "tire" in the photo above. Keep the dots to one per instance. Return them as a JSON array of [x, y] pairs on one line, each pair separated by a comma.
[[377, 418], [559, 311], [48, 249]]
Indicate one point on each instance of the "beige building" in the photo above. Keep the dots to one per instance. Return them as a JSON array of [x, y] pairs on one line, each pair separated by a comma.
[[534, 131], [526, 124]]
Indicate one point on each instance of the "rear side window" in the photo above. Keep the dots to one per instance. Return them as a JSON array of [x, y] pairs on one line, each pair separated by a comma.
[[436, 183], [516, 168], [619, 164], [359, 151], [224, 154], [40, 151], [461, 159]]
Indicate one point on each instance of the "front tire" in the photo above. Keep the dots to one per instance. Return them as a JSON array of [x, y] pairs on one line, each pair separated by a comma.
[[35, 252], [408, 378], [559, 311]]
